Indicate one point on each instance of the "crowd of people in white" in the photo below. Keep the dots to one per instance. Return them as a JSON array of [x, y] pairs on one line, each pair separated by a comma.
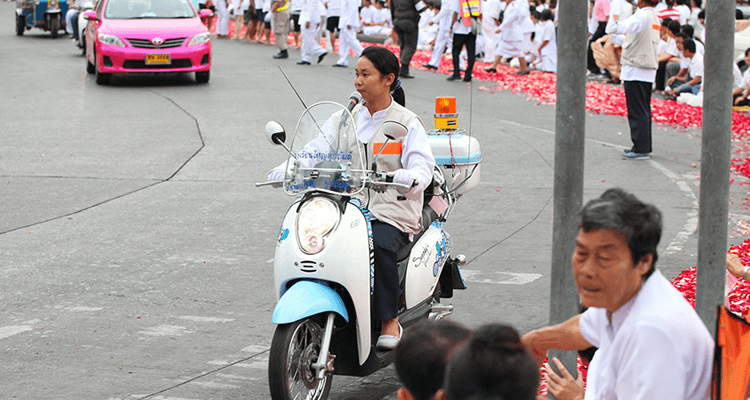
[[522, 33]]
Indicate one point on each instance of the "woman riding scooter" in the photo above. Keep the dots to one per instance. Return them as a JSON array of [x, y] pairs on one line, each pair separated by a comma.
[[397, 216]]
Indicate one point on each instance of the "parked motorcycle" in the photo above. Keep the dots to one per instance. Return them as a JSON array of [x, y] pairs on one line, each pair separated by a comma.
[[323, 264], [44, 14]]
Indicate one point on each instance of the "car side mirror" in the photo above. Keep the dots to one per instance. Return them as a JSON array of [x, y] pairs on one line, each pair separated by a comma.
[[90, 16], [394, 130], [275, 132], [205, 13]]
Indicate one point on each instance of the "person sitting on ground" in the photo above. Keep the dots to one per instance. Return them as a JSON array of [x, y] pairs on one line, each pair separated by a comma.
[[668, 52], [700, 48], [492, 365], [366, 14], [422, 357], [742, 92], [693, 85], [652, 344]]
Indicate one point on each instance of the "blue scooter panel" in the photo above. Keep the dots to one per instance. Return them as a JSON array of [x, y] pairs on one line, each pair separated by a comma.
[[306, 298]]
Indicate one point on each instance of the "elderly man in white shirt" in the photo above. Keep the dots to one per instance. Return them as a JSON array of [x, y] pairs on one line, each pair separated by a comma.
[[652, 344]]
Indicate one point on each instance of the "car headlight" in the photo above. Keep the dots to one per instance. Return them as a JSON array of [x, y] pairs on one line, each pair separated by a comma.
[[200, 39], [317, 218], [111, 40]]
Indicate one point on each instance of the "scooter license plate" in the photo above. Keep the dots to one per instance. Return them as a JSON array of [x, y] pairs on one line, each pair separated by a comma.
[[158, 59]]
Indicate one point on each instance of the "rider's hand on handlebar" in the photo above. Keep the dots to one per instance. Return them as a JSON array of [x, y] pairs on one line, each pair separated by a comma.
[[276, 175], [405, 177]]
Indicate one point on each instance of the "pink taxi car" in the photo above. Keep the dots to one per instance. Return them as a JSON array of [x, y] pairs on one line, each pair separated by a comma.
[[146, 36]]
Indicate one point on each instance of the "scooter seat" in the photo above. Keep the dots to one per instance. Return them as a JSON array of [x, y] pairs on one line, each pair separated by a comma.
[[428, 216]]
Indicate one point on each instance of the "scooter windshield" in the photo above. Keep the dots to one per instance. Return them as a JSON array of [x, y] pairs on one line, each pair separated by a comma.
[[327, 153]]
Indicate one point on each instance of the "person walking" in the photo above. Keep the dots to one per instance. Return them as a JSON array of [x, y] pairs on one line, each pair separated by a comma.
[[333, 13], [463, 35], [406, 26], [281, 17], [443, 38], [515, 36], [639, 63], [348, 26], [222, 23], [310, 20]]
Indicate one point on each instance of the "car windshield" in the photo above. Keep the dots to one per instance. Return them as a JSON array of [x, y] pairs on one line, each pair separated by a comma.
[[148, 9]]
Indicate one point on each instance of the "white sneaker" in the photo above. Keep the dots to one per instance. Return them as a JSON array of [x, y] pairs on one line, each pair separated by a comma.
[[389, 342]]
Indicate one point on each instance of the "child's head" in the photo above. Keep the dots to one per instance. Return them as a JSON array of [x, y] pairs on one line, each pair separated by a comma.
[[679, 38], [493, 365], [688, 48], [546, 15], [422, 357], [535, 16], [688, 30]]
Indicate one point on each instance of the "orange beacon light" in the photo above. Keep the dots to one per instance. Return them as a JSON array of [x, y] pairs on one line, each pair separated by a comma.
[[445, 113]]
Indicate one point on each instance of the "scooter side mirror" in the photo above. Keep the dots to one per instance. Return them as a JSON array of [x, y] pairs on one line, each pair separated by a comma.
[[90, 16], [275, 132], [394, 130], [205, 13]]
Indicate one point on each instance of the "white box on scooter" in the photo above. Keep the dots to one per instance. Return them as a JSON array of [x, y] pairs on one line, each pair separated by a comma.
[[459, 156]]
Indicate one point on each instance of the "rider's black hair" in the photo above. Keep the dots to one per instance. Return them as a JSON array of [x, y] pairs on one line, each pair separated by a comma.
[[423, 354], [387, 63], [493, 365]]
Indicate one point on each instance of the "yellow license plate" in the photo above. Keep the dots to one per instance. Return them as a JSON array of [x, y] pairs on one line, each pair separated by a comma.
[[153, 59]]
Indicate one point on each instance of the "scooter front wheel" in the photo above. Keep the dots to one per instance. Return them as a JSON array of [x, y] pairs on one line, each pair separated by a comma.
[[294, 349]]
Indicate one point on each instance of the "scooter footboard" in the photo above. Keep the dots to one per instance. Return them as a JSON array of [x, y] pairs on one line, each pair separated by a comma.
[[307, 298]]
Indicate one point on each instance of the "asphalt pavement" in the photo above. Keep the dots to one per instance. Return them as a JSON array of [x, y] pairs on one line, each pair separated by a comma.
[[136, 252]]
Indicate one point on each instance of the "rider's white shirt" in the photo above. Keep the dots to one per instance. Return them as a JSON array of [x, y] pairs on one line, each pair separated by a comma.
[[416, 156]]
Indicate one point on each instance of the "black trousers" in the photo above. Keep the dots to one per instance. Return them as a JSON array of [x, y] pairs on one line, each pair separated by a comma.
[[459, 41], [408, 33], [661, 73], [591, 62], [638, 98], [387, 241]]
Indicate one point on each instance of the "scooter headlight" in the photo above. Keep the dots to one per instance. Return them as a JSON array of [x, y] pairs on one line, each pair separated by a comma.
[[315, 221], [111, 40]]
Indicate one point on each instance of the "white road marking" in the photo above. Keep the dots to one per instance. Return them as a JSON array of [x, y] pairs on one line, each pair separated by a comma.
[[83, 309], [139, 396], [498, 278], [8, 331], [269, 261], [255, 349], [214, 385], [166, 330], [236, 377], [205, 319], [691, 224]]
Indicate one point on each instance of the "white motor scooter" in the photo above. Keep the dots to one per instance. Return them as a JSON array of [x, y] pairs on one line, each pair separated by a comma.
[[86, 5], [323, 264]]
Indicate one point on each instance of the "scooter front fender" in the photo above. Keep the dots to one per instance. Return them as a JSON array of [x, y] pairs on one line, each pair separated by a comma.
[[307, 298]]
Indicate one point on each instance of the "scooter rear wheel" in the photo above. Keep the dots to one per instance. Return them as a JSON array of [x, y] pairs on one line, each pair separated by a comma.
[[294, 348]]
